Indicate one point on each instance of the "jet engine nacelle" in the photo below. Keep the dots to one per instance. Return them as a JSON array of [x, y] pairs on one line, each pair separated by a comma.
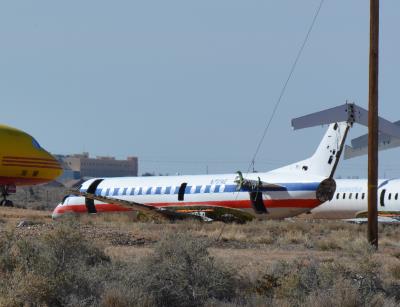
[[326, 190]]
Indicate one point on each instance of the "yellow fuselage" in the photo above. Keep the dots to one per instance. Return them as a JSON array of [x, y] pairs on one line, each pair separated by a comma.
[[23, 161]]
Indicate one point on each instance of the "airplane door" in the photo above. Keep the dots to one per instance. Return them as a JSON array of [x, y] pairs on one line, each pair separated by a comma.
[[91, 208], [382, 198], [181, 192], [257, 202]]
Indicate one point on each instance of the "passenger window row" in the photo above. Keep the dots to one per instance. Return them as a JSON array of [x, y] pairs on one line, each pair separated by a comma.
[[163, 190], [350, 196], [362, 196]]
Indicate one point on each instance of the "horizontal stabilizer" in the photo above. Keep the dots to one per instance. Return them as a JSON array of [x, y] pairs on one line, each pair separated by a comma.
[[359, 145], [344, 113], [350, 113]]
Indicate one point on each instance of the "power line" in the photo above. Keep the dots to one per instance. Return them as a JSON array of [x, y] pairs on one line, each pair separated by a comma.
[[285, 85]]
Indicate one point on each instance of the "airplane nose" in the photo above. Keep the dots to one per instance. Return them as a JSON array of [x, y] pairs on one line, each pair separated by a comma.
[[56, 214]]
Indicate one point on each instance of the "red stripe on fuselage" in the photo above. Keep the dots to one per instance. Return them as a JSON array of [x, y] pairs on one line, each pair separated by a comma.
[[21, 180], [28, 158], [30, 162], [32, 165], [234, 204], [82, 208]]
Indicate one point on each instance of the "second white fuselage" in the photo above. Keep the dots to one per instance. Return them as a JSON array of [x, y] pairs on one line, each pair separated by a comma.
[[351, 199]]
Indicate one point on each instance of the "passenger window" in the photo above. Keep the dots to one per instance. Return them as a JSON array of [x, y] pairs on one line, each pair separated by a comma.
[[390, 196], [362, 195], [356, 195], [350, 195], [344, 195], [337, 196], [396, 196]]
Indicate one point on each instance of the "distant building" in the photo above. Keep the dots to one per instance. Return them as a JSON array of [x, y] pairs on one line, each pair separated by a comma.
[[86, 166]]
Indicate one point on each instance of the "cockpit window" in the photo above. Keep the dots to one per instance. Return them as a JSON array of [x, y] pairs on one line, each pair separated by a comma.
[[36, 144]]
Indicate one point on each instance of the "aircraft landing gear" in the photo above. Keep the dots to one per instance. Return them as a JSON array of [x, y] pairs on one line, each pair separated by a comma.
[[5, 202]]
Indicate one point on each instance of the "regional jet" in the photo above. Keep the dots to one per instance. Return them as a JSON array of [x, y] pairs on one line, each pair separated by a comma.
[[284, 192]]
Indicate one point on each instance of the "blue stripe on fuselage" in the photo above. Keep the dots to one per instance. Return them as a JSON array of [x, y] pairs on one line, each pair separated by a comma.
[[311, 186]]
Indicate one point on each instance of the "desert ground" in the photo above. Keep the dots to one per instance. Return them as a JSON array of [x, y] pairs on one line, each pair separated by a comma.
[[295, 262]]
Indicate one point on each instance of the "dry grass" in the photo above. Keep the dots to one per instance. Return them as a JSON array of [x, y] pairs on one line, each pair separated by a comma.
[[18, 213], [279, 263]]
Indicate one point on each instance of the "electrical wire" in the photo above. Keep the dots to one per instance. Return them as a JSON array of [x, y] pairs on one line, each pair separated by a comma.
[[252, 162]]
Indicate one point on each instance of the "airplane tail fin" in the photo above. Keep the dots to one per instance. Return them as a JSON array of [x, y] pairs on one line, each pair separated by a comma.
[[341, 118], [325, 159]]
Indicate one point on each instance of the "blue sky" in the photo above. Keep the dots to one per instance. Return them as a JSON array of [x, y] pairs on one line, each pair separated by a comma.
[[188, 84]]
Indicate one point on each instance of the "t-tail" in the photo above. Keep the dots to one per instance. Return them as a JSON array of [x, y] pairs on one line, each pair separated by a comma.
[[325, 159]]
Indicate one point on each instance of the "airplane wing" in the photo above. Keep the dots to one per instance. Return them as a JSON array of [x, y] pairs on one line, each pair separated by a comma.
[[212, 213], [391, 214], [123, 203], [381, 219], [200, 212], [90, 198], [384, 217]]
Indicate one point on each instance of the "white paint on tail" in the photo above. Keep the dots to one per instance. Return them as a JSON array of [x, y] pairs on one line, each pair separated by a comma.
[[324, 160]]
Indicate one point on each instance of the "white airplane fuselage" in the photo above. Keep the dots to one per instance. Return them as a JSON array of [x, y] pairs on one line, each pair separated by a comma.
[[284, 192], [292, 198], [351, 199]]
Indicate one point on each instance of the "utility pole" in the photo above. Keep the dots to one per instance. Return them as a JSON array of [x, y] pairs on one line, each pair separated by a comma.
[[373, 124]]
